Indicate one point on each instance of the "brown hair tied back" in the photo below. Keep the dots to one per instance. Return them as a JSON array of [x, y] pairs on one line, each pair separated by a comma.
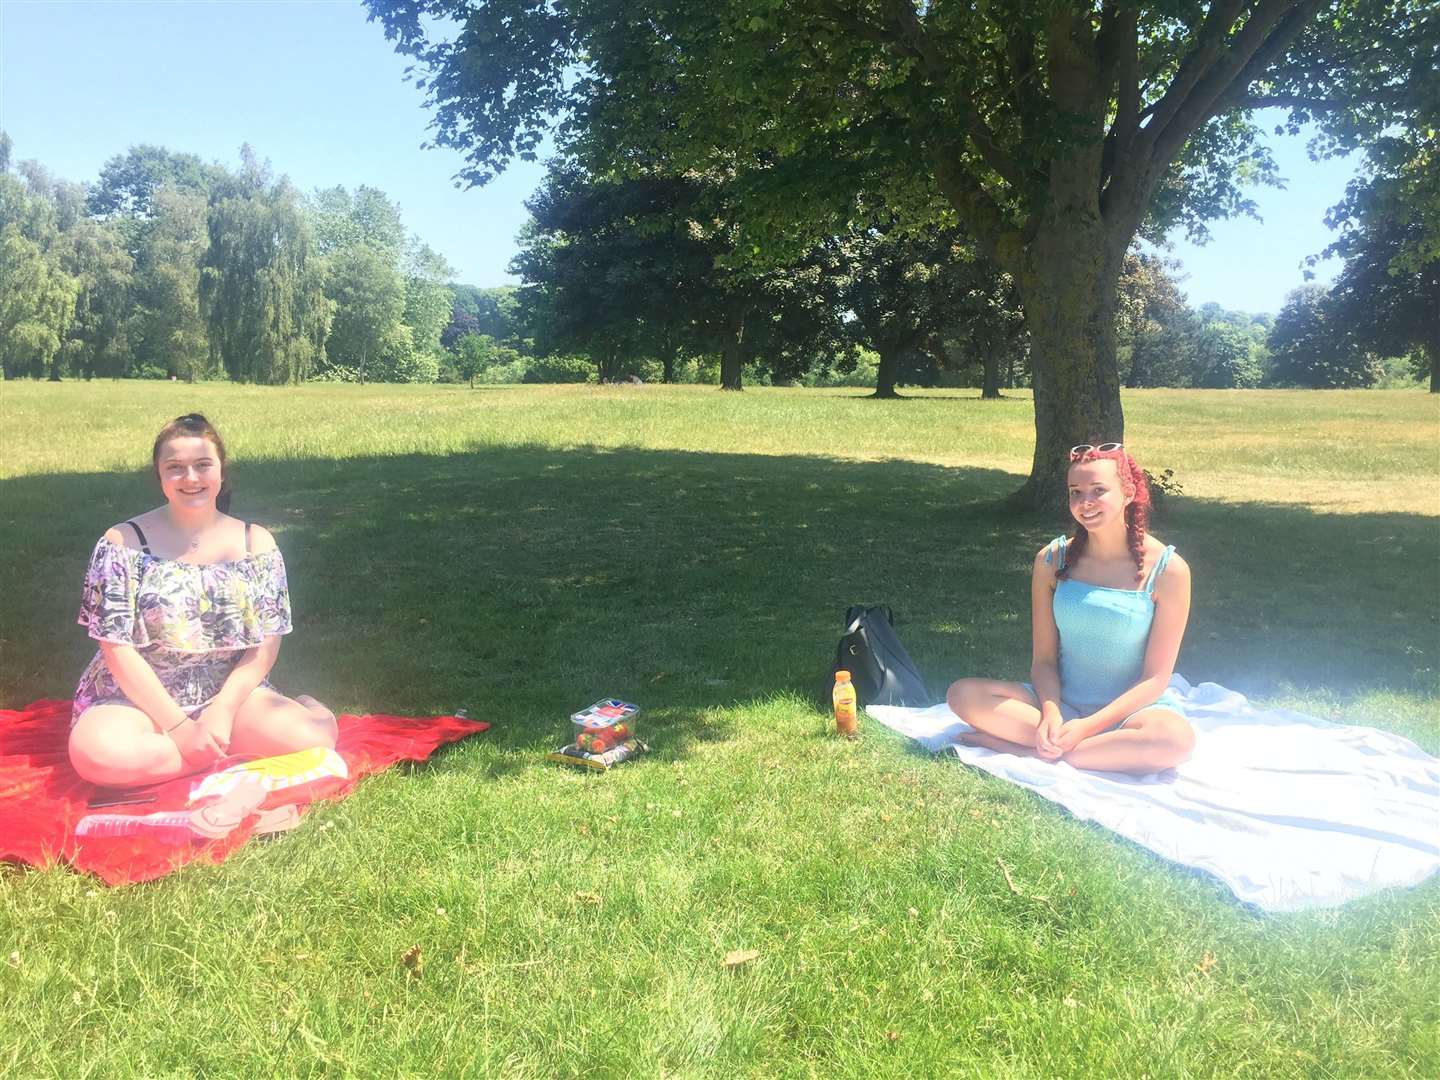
[[1137, 512], [194, 425]]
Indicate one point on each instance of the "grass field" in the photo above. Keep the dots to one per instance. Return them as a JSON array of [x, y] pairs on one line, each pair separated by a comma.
[[523, 551]]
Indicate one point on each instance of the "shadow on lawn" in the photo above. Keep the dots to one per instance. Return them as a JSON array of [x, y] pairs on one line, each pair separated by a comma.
[[525, 582]]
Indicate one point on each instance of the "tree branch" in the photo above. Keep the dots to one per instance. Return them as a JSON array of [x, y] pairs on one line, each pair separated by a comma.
[[1209, 44], [851, 20], [1124, 72], [982, 216], [1286, 101], [1266, 34], [916, 40], [1109, 40], [1020, 56]]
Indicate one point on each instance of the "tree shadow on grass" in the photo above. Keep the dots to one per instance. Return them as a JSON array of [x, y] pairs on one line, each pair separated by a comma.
[[523, 583]]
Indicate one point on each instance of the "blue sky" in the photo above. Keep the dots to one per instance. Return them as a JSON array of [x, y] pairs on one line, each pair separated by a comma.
[[319, 91]]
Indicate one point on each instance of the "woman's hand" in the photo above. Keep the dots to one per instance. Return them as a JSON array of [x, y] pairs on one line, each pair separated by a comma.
[[219, 720], [197, 743], [1071, 736], [1046, 733]]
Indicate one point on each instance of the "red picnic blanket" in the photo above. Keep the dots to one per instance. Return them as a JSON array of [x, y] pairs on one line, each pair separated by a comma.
[[42, 799]]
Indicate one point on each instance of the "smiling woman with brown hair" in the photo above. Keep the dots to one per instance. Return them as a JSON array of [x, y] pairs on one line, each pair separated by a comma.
[[188, 605]]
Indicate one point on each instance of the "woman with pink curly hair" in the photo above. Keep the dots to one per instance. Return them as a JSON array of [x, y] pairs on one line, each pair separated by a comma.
[[1109, 605]]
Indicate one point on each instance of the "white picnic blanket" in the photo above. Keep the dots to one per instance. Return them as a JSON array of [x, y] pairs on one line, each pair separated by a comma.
[[1290, 811]]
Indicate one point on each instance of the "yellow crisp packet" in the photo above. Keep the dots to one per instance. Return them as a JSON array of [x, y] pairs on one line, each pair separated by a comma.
[[276, 773]]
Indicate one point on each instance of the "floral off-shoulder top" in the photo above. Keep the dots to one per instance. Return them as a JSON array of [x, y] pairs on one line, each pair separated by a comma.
[[191, 622]]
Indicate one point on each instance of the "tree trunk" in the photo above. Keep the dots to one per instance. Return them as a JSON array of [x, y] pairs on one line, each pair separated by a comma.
[[732, 356], [990, 382], [885, 376], [1069, 291], [667, 363]]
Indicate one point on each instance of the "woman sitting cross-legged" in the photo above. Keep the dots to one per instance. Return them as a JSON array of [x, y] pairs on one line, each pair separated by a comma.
[[1108, 609], [188, 605]]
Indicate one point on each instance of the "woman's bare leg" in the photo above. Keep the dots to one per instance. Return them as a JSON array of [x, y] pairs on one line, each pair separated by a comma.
[[1151, 740], [1003, 714], [119, 746], [269, 723]]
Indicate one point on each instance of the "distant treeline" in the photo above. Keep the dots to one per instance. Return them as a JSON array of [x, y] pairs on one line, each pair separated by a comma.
[[170, 267]]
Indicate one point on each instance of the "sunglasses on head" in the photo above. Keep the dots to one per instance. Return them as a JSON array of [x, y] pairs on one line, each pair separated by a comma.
[[1077, 452]]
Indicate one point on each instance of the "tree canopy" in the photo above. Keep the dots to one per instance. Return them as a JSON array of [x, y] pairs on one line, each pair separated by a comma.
[[167, 266], [261, 287], [1055, 130], [1388, 294]]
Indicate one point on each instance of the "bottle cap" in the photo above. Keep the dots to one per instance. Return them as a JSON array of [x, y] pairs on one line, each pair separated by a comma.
[[842, 676]]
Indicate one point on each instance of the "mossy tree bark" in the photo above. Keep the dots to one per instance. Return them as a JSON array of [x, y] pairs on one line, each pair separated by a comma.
[[887, 371], [1070, 284], [732, 355]]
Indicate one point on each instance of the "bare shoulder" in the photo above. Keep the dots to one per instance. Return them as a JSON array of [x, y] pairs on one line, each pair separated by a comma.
[[1046, 562], [260, 539], [123, 535], [1176, 577]]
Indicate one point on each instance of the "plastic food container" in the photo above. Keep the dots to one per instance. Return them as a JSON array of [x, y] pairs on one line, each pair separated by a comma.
[[605, 725]]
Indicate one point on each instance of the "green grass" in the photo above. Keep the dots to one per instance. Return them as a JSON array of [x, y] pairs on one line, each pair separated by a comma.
[[522, 551]]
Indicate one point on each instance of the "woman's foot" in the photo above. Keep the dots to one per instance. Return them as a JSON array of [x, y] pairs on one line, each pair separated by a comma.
[[994, 742]]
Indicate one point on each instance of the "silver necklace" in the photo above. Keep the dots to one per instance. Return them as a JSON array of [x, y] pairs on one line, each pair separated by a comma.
[[192, 542]]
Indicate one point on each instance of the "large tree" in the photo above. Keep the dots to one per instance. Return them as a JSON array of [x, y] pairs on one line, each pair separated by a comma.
[[125, 194], [896, 288], [1309, 349], [170, 328], [340, 220], [99, 338], [1384, 301], [1224, 357], [261, 288], [1388, 295], [494, 312], [37, 294], [1056, 129], [1152, 321], [428, 299], [128, 181], [369, 298], [646, 266], [607, 265], [926, 291]]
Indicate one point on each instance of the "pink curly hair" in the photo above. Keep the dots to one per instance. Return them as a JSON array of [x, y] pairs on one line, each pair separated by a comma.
[[1137, 513]]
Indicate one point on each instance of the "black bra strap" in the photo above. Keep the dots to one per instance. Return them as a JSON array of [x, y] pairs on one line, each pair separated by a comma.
[[247, 536], [140, 535]]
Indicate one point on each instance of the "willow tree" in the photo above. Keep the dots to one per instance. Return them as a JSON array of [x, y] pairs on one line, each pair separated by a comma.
[[37, 295], [1055, 129], [171, 324], [261, 289]]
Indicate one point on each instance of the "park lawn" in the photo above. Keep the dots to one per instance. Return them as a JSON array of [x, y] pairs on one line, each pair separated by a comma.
[[522, 551]]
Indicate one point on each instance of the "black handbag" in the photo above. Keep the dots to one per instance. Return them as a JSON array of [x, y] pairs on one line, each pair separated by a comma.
[[879, 666]]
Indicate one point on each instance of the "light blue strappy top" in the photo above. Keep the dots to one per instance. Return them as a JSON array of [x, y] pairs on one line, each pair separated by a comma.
[[1103, 633]]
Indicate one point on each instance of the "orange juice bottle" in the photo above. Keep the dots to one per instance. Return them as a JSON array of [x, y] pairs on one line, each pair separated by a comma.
[[844, 695]]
